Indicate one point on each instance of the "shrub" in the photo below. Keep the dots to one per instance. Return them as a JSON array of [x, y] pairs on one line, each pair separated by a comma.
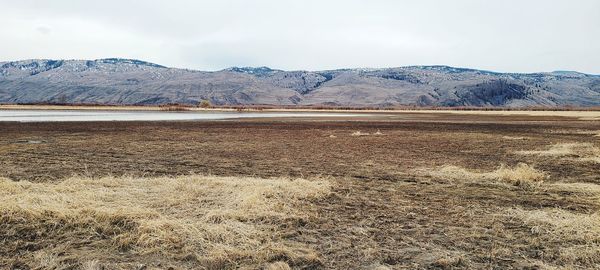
[[174, 107], [204, 104]]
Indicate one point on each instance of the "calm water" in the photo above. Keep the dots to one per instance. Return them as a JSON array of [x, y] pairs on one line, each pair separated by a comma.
[[75, 115]]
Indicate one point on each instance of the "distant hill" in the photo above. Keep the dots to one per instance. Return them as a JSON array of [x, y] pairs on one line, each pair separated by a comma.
[[126, 81]]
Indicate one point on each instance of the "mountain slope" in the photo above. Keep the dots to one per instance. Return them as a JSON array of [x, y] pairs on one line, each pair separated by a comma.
[[125, 81]]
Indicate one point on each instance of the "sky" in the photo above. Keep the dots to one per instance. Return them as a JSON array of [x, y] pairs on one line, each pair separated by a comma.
[[498, 35]]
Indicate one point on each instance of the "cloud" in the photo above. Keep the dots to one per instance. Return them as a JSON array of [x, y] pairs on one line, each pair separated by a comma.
[[519, 36], [43, 30]]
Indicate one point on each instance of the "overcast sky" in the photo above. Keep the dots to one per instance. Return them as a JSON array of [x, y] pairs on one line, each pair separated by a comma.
[[500, 35]]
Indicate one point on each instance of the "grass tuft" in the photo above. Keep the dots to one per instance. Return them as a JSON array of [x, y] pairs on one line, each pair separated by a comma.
[[213, 222], [519, 138], [581, 232], [359, 133], [521, 175], [581, 151], [277, 266]]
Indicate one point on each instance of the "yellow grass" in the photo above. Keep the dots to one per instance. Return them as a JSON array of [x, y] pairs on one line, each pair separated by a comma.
[[589, 132], [581, 115], [560, 223], [202, 221], [555, 224], [591, 159], [585, 189], [574, 131], [514, 138], [564, 149], [521, 175], [582, 151], [359, 133], [278, 266]]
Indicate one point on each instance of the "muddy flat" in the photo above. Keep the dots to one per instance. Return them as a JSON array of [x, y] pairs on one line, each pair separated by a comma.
[[408, 190]]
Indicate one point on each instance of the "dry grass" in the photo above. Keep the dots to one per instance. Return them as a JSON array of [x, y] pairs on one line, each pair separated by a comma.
[[582, 189], [574, 131], [590, 132], [577, 233], [278, 266], [514, 138], [595, 159], [589, 114], [522, 175], [580, 151], [174, 107], [380, 215], [567, 238], [560, 223], [565, 149], [581, 115], [191, 221], [359, 133]]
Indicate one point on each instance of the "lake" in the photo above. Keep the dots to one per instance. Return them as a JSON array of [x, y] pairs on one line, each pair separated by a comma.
[[88, 115]]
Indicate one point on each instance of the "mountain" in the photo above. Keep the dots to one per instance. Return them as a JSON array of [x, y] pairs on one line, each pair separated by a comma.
[[127, 81]]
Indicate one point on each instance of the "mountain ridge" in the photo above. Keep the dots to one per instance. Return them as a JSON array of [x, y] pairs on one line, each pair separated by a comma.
[[234, 68], [137, 82]]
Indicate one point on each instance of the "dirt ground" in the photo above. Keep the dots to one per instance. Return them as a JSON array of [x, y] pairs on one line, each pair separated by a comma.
[[383, 211]]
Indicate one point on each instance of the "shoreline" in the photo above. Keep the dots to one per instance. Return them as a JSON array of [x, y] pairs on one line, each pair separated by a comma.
[[582, 114]]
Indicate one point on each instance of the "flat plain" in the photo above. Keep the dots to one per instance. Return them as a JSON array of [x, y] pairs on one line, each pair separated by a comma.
[[391, 191]]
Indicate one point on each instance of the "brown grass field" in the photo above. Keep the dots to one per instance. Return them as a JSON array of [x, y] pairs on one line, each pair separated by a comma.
[[410, 190]]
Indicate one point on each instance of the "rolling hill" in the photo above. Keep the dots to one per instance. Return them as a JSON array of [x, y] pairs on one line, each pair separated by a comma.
[[127, 81]]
